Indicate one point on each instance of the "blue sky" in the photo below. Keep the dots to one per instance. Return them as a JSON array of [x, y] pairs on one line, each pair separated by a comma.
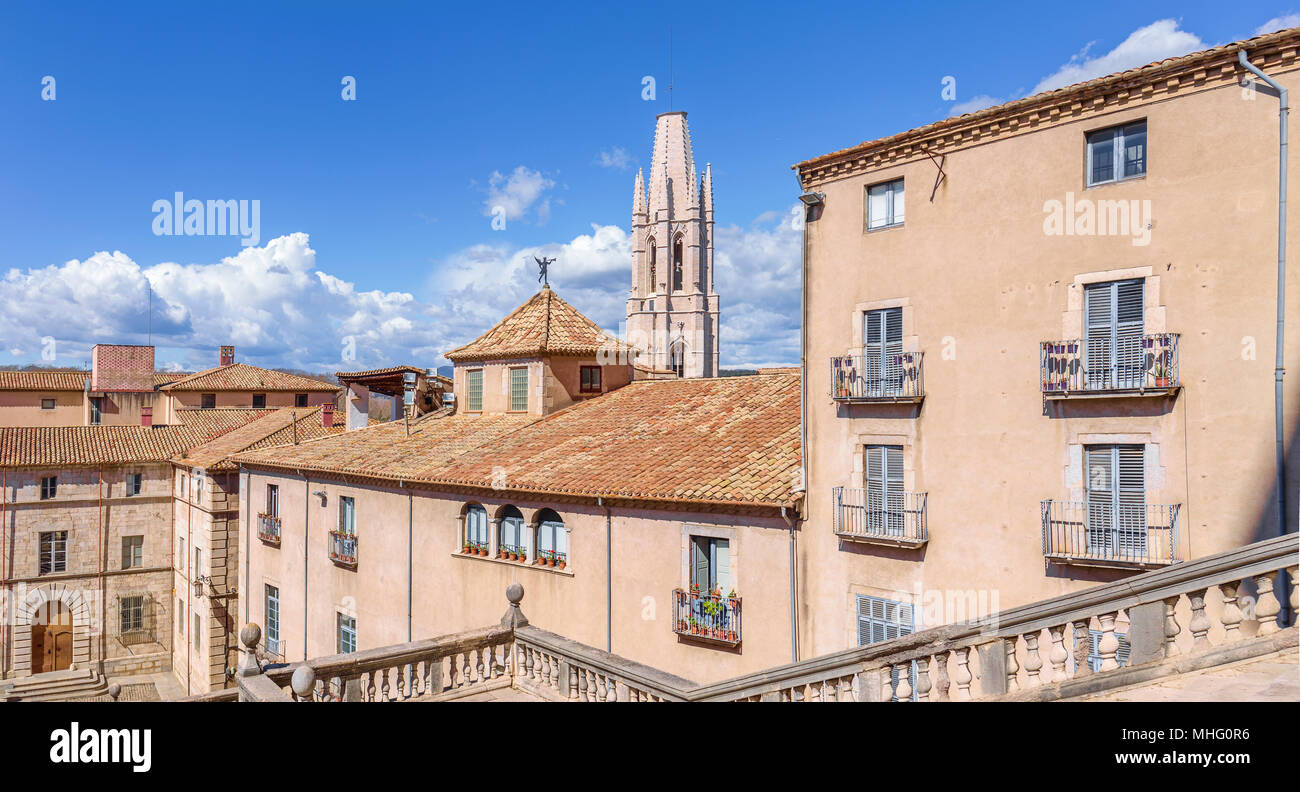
[[376, 244]]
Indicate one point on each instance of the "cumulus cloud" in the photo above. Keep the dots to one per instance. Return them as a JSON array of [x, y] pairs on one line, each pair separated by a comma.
[[616, 157], [1278, 23], [1157, 41], [515, 195]]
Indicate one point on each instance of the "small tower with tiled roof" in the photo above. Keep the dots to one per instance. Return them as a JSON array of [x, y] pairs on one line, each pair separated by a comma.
[[672, 311]]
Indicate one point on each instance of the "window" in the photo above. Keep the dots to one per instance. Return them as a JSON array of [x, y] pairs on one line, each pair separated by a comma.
[[1094, 651], [54, 552], [198, 562], [476, 526], [591, 379], [654, 265], [180, 555], [181, 485], [49, 487], [882, 336], [47, 404], [1116, 500], [677, 264], [134, 482], [884, 498], [711, 563], [273, 500], [474, 388], [300, 400], [131, 615], [96, 409], [347, 516], [180, 616], [259, 401], [883, 620], [677, 359], [1117, 153], [552, 539], [198, 487], [347, 634], [885, 205], [272, 605], [1114, 321], [208, 401], [198, 634], [518, 389], [132, 552]]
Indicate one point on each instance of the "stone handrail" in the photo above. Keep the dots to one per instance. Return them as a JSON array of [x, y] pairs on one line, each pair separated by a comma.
[[556, 667]]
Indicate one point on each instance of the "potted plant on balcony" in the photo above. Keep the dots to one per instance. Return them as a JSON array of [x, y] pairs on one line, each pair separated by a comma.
[[559, 561], [1162, 374], [468, 548]]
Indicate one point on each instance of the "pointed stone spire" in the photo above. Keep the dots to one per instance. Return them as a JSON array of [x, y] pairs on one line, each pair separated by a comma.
[[672, 165], [638, 197], [706, 193]]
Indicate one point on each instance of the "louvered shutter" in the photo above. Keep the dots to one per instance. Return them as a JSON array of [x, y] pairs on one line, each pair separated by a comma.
[[1101, 499], [700, 562], [722, 564], [1131, 524], [1094, 650], [1129, 324], [1099, 334], [892, 371], [874, 353]]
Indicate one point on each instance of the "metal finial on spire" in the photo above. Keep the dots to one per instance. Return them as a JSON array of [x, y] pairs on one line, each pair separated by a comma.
[[543, 267]]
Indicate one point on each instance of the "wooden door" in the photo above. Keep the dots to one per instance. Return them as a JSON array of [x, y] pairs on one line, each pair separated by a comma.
[[52, 638]]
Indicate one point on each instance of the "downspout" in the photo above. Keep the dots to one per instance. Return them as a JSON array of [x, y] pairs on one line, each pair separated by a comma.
[[609, 576], [794, 627], [103, 561], [4, 566], [410, 553], [190, 577], [1278, 366], [306, 533], [248, 506]]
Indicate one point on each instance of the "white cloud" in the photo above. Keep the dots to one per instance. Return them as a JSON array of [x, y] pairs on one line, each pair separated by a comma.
[[1278, 23], [975, 103], [616, 157], [1157, 41], [516, 194]]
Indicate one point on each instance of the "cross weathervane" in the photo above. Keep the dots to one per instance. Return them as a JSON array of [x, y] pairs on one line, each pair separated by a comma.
[[543, 267]]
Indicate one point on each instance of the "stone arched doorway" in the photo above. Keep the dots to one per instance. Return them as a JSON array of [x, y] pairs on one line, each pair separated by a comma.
[[52, 629], [51, 637]]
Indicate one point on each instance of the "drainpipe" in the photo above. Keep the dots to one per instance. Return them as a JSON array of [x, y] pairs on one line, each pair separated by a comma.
[[794, 627], [103, 560], [1283, 109], [410, 553], [306, 521], [248, 506], [4, 567], [609, 576]]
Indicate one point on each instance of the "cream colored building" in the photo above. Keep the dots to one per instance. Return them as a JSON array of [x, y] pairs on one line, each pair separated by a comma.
[[1040, 345]]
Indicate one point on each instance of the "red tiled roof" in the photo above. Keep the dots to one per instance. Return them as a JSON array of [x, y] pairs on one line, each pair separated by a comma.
[[545, 325], [273, 429], [64, 380], [243, 377], [732, 440]]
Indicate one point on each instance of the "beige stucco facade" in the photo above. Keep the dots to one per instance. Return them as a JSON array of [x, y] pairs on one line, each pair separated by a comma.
[[984, 273]]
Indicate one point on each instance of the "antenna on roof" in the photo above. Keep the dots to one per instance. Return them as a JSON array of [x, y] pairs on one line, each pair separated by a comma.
[[670, 68], [149, 321]]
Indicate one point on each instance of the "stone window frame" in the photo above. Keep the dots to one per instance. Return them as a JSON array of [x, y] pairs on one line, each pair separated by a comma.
[[866, 203], [911, 341], [859, 467], [730, 533], [49, 491], [1159, 487], [55, 567], [1153, 310]]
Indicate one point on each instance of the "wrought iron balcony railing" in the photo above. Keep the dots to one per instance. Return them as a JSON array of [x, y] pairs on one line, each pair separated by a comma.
[[343, 548], [893, 377], [893, 518], [1101, 534], [1134, 365], [268, 529], [707, 617]]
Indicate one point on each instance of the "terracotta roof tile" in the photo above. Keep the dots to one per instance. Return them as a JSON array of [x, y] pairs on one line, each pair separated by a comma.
[[243, 377], [64, 380], [545, 325], [273, 429]]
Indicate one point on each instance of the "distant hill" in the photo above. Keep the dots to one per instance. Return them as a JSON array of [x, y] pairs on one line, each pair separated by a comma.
[[736, 372]]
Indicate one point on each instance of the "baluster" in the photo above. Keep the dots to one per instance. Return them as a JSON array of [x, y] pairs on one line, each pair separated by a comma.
[[923, 679], [1294, 600], [1058, 655], [582, 683], [904, 691], [1171, 625], [555, 672], [467, 672], [1033, 663], [482, 664], [1082, 647], [942, 683], [1109, 643], [1012, 666], [402, 693], [846, 688], [1231, 612], [1200, 623], [368, 685], [386, 688], [1266, 604], [604, 688], [575, 683], [963, 677]]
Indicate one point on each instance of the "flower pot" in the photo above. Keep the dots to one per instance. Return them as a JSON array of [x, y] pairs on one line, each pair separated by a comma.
[[560, 564], [1162, 382]]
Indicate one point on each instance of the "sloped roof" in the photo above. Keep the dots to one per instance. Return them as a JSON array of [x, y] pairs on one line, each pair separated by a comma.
[[65, 380], [273, 429], [243, 377], [545, 325], [732, 440], [40, 446]]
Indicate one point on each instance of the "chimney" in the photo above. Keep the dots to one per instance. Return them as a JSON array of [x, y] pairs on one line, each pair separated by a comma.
[[146, 416], [327, 415], [227, 356]]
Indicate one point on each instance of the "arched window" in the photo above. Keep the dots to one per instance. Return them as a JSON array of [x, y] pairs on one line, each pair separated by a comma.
[[511, 539], [654, 263], [476, 528], [552, 539], [677, 356], [677, 264]]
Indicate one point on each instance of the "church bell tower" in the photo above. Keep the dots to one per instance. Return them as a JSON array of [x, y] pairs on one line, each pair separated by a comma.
[[672, 310]]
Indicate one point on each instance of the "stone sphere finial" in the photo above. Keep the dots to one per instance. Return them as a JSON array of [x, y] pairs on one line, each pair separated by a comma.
[[250, 635], [114, 690], [515, 593], [303, 682]]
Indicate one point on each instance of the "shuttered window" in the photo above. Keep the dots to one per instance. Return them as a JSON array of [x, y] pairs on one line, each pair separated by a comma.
[[54, 552], [476, 525], [711, 563], [474, 390], [518, 389], [884, 480], [885, 204], [882, 335], [1114, 321], [273, 500], [1117, 514], [882, 620]]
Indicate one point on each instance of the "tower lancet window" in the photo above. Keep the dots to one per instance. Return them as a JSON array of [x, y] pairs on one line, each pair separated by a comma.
[[654, 264], [677, 263]]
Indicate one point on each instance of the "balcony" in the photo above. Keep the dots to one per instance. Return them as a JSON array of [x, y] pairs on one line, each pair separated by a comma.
[[343, 549], [896, 519], [268, 529], [863, 380], [1132, 536], [712, 618], [1136, 366]]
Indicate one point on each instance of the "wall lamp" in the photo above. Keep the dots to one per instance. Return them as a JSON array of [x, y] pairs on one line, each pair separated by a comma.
[[320, 494]]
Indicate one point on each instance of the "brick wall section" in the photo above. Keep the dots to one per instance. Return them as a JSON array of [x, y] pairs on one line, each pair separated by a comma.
[[116, 367]]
